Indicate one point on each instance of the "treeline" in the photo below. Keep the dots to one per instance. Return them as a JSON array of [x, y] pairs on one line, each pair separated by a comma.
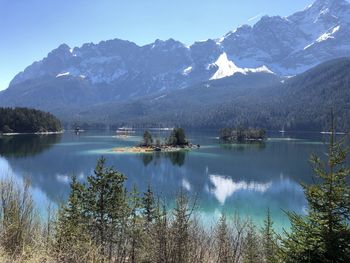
[[241, 135], [177, 138], [103, 222], [299, 103], [25, 120]]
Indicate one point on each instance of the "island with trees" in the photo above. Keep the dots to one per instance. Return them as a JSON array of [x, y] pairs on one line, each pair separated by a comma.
[[176, 141], [102, 221], [242, 135], [25, 120]]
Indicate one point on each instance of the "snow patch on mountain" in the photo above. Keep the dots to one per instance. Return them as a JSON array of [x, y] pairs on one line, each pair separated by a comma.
[[262, 69], [328, 35], [64, 74], [227, 68], [187, 71]]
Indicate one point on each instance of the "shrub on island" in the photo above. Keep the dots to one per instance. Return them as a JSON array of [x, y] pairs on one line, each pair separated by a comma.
[[241, 135], [147, 140], [177, 138]]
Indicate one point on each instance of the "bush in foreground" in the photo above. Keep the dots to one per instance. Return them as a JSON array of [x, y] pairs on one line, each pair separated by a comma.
[[102, 222]]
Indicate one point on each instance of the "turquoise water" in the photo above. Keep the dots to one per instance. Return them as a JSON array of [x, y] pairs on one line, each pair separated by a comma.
[[246, 179]]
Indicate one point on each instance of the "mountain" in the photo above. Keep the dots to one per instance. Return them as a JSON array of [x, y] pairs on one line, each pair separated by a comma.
[[263, 100], [118, 71], [175, 107]]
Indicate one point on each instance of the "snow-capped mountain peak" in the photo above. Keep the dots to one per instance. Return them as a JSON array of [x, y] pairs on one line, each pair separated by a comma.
[[226, 68], [283, 46]]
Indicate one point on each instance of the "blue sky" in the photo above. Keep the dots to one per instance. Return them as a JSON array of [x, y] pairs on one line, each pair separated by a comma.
[[29, 29]]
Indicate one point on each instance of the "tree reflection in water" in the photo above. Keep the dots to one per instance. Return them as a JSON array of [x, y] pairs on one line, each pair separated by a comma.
[[19, 146], [177, 158]]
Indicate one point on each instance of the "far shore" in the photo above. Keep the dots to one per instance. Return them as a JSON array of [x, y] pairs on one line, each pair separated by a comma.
[[37, 133]]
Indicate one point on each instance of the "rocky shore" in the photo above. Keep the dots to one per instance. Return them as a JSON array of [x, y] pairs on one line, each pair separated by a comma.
[[164, 148]]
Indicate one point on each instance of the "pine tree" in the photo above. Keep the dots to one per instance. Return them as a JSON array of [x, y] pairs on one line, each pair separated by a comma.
[[160, 235], [106, 207], [224, 249], [135, 225], [149, 208], [269, 240], [72, 238], [177, 137], [323, 235], [180, 229], [147, 139], [251, 245]]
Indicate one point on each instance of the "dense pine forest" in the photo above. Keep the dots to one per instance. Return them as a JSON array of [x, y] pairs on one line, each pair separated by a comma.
[[103, 222], [25, 120]]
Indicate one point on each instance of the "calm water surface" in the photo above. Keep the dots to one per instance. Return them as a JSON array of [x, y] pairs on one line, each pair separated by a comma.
[[246, 179]]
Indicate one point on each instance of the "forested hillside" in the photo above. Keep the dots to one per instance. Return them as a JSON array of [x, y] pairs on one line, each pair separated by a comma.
[[24, 120], [261, 100]]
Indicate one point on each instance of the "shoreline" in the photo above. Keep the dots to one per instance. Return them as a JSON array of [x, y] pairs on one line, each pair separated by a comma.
[[32, 133], [166, 149]]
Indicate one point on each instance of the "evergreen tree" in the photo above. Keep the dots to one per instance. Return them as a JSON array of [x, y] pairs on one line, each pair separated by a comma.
[[181, 229], [177, 137], [224, 249], [149, 208], [73, 242], [106, 207], [135, 225], [251, 245], [161, 234], [269, 240], [27, 120], [323, 235], [147, 139]]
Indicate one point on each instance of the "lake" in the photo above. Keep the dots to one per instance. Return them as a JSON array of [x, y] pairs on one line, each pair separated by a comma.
[[247, 179]]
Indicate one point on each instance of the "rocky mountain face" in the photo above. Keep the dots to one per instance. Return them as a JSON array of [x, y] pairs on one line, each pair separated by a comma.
[[293, 44], [118, 70]]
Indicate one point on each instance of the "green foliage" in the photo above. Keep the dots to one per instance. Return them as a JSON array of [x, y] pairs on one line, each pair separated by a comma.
[[160, 235], [251, 245], [241, 135], [323, 235], [269, 240], [147, 139], [136, 226], [24, 120], [149, 206], [177, 137], [102, 222], [73, 242], [181, 229], [95, 216], [224, 248], [105, 206]]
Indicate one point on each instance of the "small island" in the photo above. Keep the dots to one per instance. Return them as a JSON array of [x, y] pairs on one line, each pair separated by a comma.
[[242, 135], [25, 120], [177, 141]]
